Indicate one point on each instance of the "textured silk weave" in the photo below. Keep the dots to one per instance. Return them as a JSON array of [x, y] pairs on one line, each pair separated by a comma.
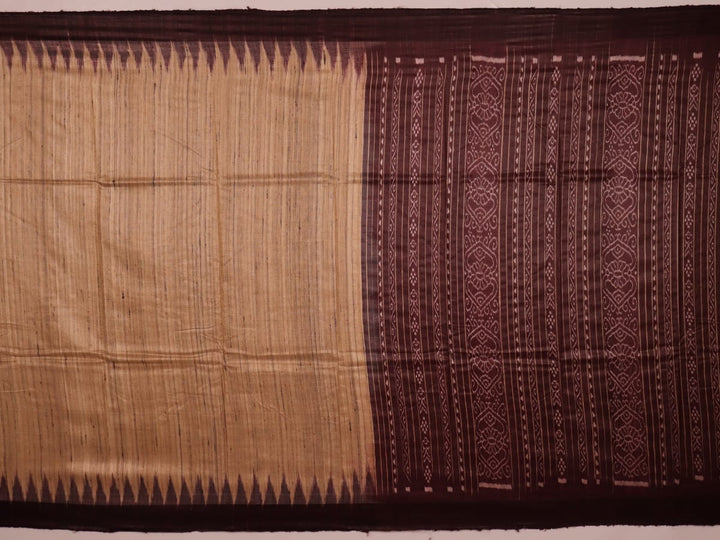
[[306, 262]]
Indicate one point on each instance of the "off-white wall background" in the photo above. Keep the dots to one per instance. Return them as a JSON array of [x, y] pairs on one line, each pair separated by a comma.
[[584, 533], [577, 533]]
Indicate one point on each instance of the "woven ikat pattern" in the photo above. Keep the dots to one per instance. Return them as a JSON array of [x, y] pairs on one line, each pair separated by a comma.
[[543, 276]]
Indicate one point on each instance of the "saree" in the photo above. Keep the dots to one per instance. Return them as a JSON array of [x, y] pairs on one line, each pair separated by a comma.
[[359, 269]]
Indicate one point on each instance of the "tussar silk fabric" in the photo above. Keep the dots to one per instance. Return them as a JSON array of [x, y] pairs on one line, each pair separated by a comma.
[[359, 269]]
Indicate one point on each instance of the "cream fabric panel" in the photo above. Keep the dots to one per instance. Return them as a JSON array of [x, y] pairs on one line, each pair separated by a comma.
[[180, 271]]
